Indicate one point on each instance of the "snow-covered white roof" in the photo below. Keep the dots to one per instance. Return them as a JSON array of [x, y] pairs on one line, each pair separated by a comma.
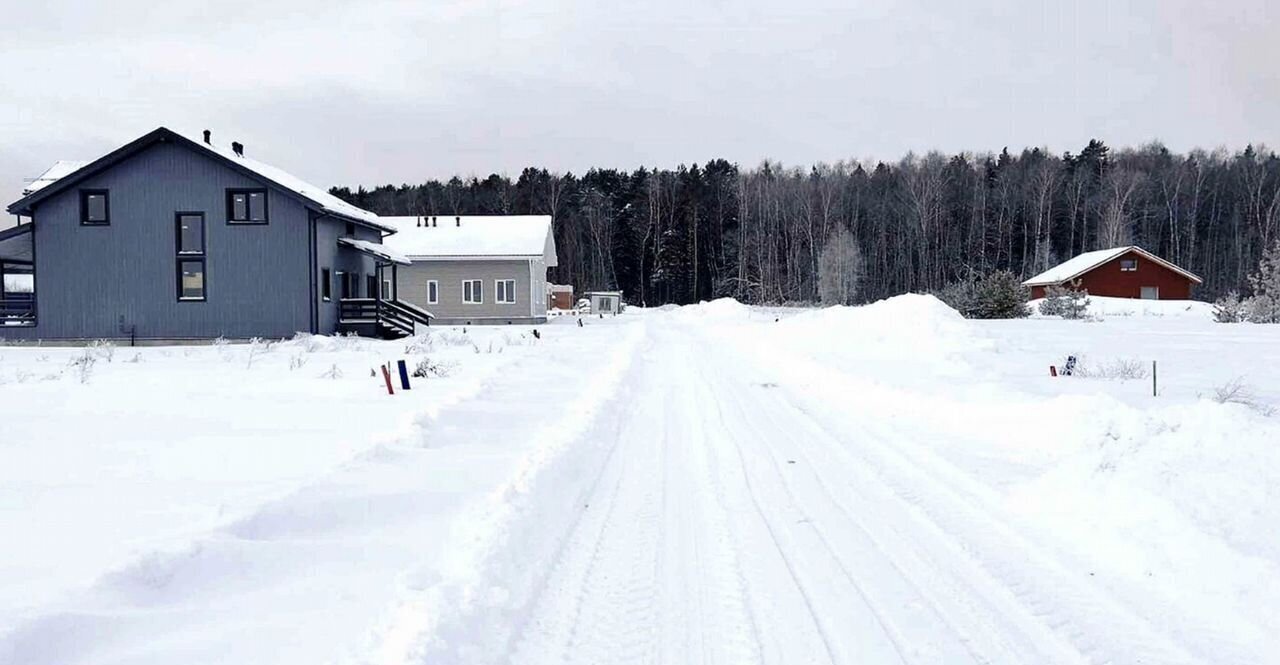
[[473, 236], [1073, 268], [375, 249], [317, 195], [53, 173]]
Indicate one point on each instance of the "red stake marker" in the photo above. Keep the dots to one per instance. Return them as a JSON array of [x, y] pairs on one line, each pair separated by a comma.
[[386, 376], [1053, 371]]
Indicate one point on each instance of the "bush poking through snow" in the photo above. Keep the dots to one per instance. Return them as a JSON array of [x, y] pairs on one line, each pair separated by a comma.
[[103, 349], [1230, 309], [332, 373], [1069, 302], [1119, 369], [1236, 391], [427, 368], [297, 361], [82, 365], [420, 344]]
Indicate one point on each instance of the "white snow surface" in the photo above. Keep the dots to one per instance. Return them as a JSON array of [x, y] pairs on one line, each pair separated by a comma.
[[711, 483], [473, 236], [1076, 265], [375, 248], [19, 283], [52, 174]]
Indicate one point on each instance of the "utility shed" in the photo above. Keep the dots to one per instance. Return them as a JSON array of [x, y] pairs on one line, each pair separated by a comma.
[[605, 302], [1119, 272]]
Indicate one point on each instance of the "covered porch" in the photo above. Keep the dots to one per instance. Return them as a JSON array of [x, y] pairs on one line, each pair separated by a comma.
[[381, 314], [17, 277]]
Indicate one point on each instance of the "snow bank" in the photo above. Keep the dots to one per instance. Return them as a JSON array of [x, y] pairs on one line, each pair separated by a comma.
[[1106, 307]]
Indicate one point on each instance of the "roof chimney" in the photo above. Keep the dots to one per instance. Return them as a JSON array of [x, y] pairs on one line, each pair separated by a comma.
[[418, 222], [433, 220], [207, 135], [458, 221], [237, 148]]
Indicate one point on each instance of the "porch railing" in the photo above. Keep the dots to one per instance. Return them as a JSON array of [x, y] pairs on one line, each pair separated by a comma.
[[17, 309], [396, 315]]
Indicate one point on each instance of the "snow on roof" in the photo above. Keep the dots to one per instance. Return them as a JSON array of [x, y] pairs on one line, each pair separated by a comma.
[[376, 249], [445, 236], [1083, 263], [53, 173], [317, 195]]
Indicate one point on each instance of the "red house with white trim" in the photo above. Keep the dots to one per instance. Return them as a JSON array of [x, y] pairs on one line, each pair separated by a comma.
[[1119, 272]]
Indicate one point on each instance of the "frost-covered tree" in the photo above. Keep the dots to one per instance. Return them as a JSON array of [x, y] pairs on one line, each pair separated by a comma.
[[1069, 302], [839, 269], [1264, 306], [1230, 309], [1000, 295]]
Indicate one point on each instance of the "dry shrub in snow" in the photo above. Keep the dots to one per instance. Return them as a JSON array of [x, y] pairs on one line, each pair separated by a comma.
[[454, 338], [1236, 391], [103, 349], [82, 365], [427, 368], [1119, 369], [420, 344], [332, 373], [297, 361]]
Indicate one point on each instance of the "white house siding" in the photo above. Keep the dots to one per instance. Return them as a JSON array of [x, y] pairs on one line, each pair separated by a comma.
[[529, 275]]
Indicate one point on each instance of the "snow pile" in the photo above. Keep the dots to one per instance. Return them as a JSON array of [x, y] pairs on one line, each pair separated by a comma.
[[1106, 307], [720, 310], [913, 330]]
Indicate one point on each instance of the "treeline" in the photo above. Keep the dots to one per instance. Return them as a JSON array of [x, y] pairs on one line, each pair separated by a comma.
[[711, 230]]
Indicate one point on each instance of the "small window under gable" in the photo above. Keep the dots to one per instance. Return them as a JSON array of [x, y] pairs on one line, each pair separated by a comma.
[[247, 206], [95, 209], [1128, 265]]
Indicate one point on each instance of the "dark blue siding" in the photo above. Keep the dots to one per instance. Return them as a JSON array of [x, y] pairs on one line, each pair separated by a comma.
[[98, 281]]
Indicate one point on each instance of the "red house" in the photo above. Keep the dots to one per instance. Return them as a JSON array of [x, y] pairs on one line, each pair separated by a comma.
[[1119, 272]]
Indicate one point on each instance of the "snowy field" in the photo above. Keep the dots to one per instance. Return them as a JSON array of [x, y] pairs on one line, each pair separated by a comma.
[[713, 483]]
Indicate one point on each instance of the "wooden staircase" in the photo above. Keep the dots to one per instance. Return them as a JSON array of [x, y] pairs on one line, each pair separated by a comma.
[[389, 319]]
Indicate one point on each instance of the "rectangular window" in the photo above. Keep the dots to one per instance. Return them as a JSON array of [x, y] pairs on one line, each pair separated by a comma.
[[473, 291], [506, 291], [342, 285], [386, 289], [246, 206], [1150, 293], [371, 286], [190, 233], [326, 284], [191, 284], [433, 292], [189, 242], [95, 208], [1128, 265]]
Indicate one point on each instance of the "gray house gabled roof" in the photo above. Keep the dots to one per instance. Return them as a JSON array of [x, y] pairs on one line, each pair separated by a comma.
[[306, 193]]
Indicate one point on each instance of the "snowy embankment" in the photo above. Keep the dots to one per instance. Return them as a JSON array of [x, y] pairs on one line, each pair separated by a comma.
[[1168, 502], [242, 503]]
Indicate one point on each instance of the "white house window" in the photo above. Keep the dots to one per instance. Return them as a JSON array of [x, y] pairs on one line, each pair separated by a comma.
[[506, 290], [386, 289], [473, 291], [433, 292], [1128, 265]]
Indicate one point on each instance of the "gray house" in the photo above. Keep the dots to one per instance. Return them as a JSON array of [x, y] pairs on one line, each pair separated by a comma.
[[170, 238], [474, 269]]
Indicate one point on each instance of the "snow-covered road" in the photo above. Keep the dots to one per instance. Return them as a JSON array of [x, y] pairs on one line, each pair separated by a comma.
[[707, 484], [733, 523]]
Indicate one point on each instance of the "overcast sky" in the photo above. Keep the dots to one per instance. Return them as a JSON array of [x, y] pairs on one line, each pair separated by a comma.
[[381, 91]]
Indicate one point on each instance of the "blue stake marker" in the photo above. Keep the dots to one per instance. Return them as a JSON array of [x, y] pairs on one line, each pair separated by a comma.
[[404, 374]]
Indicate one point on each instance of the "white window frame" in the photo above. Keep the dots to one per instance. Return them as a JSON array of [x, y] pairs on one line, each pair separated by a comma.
[[1133, 263], [433, 292], [504, 291], [476, 292], [386, 289]]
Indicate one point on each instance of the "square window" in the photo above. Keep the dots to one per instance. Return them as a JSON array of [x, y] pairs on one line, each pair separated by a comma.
[[191, 280], [95, 209], [247, 206], [1128, 265], [190, 233]]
